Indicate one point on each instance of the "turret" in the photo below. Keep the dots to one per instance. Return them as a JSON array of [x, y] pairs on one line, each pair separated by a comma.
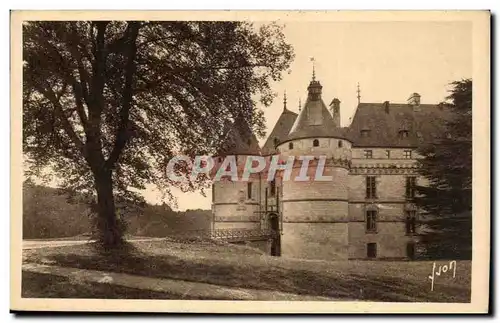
[[335, 108], [235, 204], [315, 211]]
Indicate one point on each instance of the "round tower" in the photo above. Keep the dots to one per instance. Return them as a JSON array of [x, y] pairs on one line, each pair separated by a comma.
[[315, 199], [236, 203]]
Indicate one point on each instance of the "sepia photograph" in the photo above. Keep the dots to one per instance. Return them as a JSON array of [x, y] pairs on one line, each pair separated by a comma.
[[320, 162]]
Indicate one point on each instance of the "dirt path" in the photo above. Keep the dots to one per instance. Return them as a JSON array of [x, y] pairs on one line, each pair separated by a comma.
[[35, 244], [188, 290]]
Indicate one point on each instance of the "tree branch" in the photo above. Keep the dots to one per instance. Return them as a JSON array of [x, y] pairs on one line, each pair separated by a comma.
[[84, 76], [123, 133], [67, 127]]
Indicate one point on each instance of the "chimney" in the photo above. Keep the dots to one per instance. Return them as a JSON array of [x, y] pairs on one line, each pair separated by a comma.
[[414, 99], [386, 106], [335, 107]]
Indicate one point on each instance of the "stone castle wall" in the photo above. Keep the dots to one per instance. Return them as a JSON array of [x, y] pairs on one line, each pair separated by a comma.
[[315, 213], [232, 207], [327, 220]]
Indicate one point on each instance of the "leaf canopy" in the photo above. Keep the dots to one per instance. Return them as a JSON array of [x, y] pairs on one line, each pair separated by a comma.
[[128, 96]]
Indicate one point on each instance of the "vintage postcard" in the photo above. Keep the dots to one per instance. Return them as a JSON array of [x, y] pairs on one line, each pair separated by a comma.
[[295, 162]]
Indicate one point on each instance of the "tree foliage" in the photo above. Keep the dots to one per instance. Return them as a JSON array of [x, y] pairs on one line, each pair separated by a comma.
[[447, 166], [106, 104]]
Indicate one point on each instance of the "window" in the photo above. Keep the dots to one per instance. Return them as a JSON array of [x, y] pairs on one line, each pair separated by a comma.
[[387, 154], [365, 133], [249, 190], [371, 221], [411, 222], [371, 250], [368, 154], [410, 250], [272, 188], [315, 143], [290, 145], [410, 187], [340, 143], [403, 133], [371, 187], [407, 154]]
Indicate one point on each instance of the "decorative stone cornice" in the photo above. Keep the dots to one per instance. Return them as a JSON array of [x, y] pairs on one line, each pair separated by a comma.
[[383, 169], [235, 218], [329, 162]]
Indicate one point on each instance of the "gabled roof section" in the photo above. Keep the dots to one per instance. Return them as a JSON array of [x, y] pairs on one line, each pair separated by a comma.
[[314, 120], [279, 132], [383, 124], [240, 140]]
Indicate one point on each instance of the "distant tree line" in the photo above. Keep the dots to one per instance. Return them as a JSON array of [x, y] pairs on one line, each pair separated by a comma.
[[50, 213]]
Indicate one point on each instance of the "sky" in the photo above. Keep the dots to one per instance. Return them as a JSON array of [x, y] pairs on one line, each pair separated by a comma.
[[389, 60]]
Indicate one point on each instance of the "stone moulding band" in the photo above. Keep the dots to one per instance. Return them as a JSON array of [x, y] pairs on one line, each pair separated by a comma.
[[226, 220], [382, 171], [368, 202], [315, 199], [234, 203], [397, 220], [314, 221], [286, 220]]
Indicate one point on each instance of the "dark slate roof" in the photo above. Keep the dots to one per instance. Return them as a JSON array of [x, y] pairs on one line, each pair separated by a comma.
[[314, 121], [280, 131], [240, 140], [423, 123]]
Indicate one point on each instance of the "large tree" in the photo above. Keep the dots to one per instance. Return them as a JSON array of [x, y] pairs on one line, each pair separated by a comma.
[[106, 104], [447, 165]]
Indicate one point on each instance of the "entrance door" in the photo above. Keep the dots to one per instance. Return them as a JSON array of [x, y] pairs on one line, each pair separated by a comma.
[[274, 225], [371, 250], [410, 250]]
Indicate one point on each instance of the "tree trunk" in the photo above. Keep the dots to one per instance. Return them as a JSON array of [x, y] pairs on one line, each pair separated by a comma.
[[110, 231]]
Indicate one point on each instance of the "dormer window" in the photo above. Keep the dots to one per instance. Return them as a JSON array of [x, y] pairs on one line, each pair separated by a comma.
[[315, 143], [403, 133], [365, 133], [290, 145], [276, 141]]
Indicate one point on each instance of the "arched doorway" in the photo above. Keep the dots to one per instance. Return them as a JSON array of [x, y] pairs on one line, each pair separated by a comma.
[[274, 225]]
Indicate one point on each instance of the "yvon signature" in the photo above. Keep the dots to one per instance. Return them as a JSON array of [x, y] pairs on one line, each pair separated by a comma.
[[442, 269]]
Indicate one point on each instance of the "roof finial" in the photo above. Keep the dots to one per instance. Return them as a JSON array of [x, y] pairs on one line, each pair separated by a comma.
[[284, 101], [300, 104], [359, 94], [314, 71]]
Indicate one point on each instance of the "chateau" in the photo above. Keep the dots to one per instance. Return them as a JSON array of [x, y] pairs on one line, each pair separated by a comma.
[[366, 211]]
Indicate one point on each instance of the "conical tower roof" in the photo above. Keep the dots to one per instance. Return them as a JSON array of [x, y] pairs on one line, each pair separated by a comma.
[[314, 120], [239, 140], [280, 130]]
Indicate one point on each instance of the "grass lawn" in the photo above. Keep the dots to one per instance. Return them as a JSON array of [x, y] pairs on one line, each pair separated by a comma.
[[239, 266], [36, 285]]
